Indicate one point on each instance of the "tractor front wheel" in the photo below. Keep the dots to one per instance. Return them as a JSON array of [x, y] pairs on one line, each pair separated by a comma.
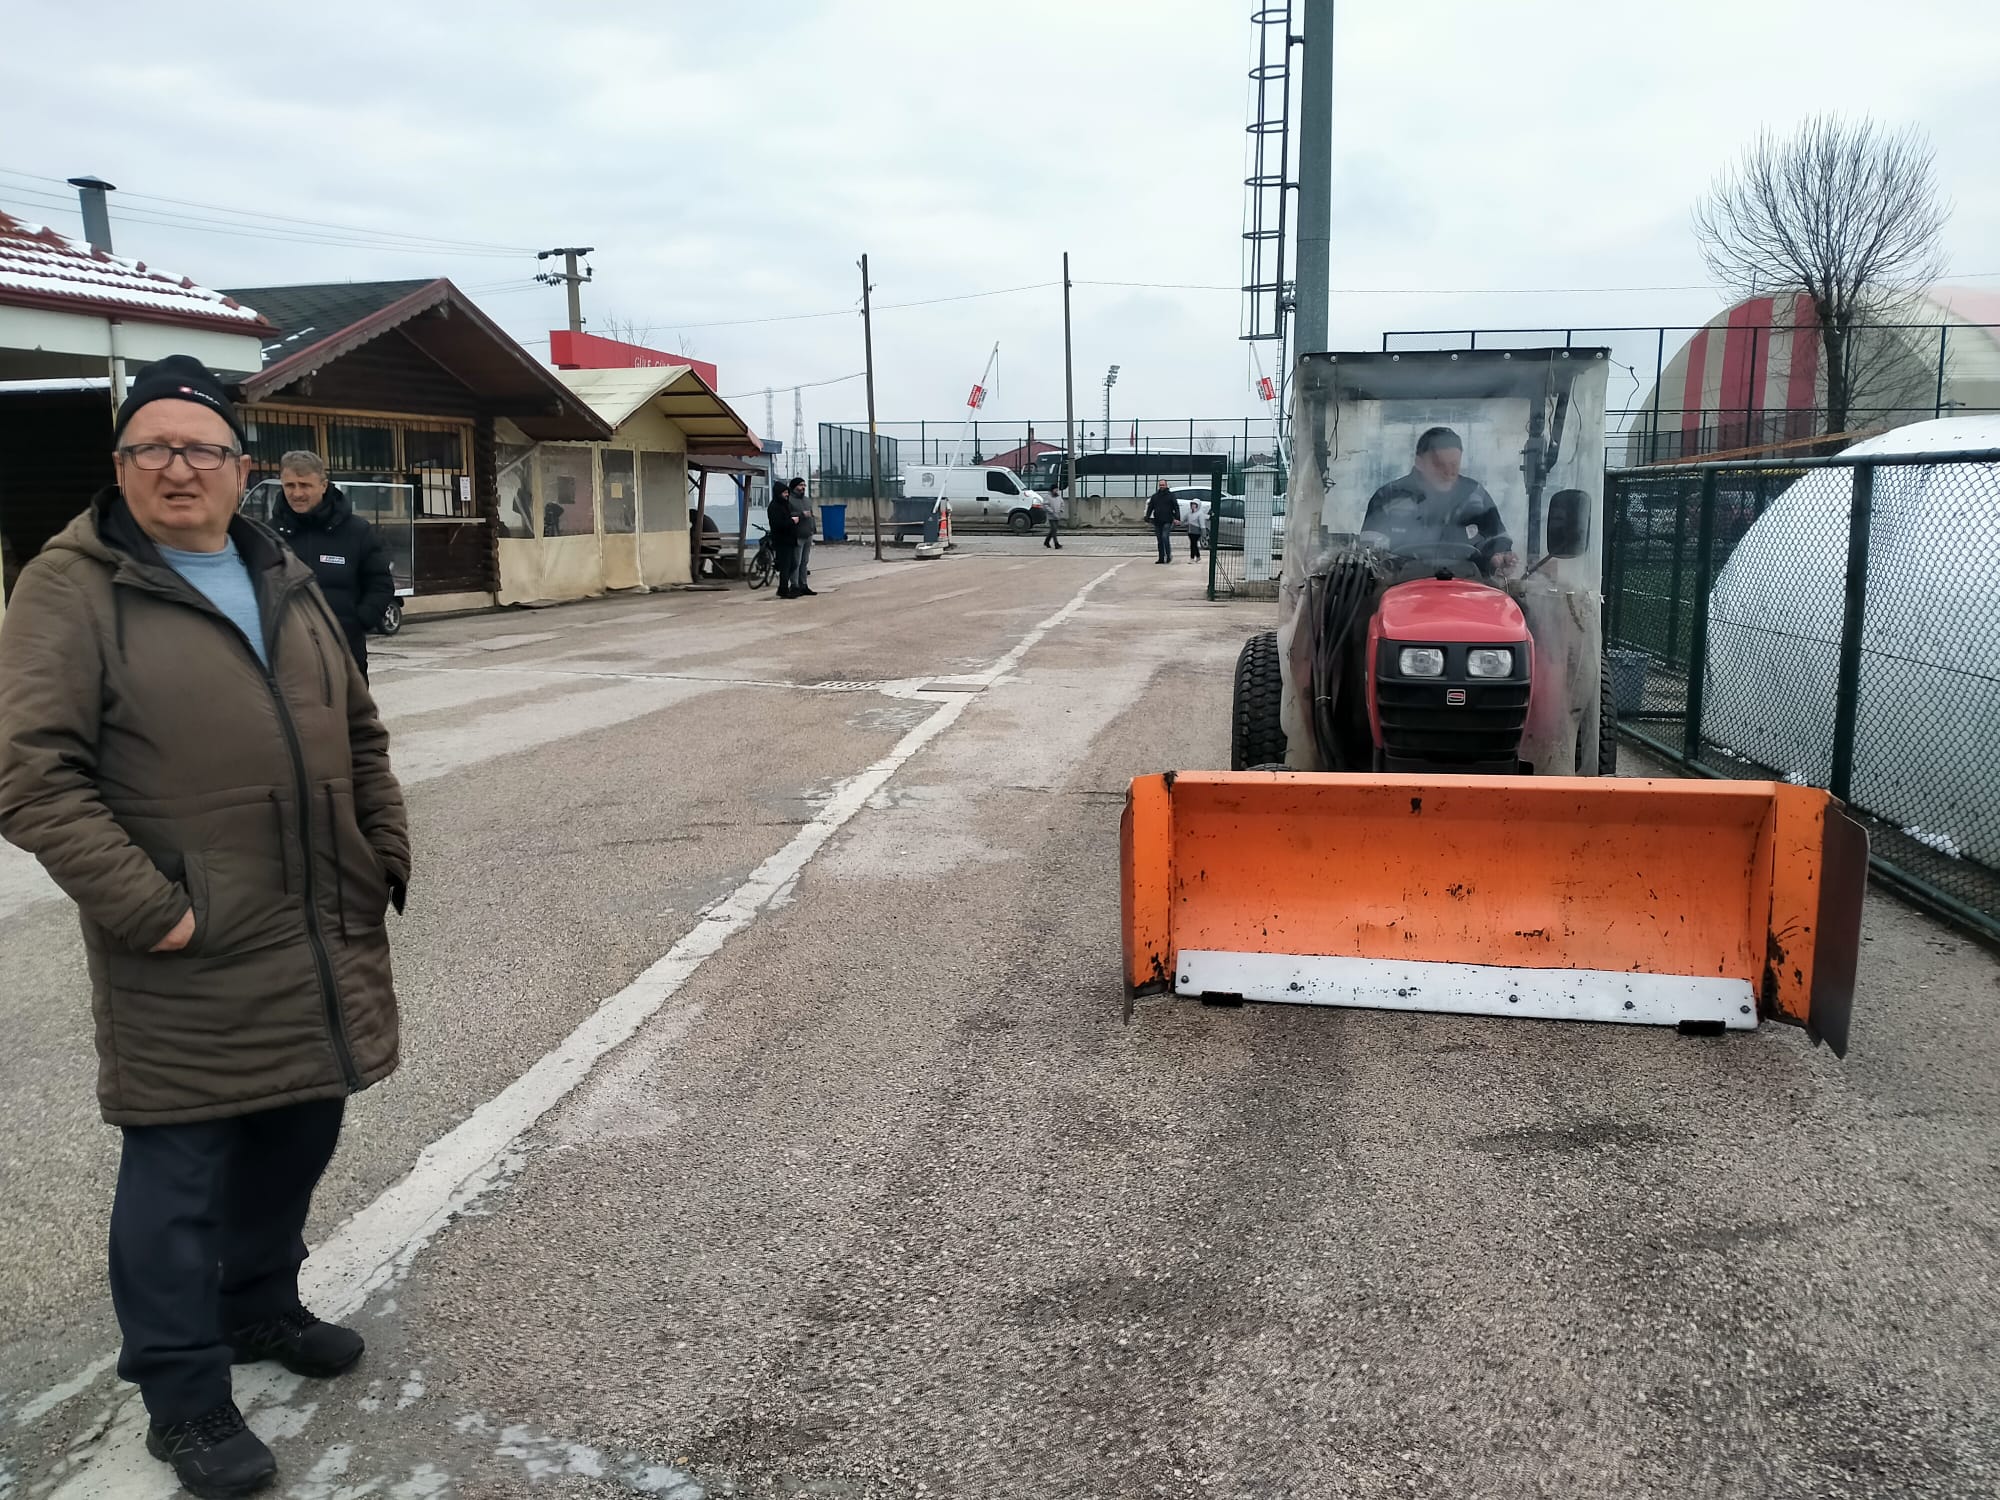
[[1256, 734], [1607, 726]]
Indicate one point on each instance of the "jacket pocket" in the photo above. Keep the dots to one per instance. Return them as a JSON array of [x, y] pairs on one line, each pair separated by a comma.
[[194, 880], [325, 673], [360, 885]]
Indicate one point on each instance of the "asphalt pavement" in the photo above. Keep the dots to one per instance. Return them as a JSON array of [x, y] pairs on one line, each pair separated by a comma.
[[768, 1126]]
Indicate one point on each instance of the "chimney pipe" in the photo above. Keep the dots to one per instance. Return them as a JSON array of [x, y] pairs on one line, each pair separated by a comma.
[[96, 215]]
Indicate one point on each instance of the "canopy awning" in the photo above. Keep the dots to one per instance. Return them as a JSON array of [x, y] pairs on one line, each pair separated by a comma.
[[676, 392]]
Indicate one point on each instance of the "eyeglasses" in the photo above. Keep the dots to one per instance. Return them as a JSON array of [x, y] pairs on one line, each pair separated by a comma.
[[160, 455]]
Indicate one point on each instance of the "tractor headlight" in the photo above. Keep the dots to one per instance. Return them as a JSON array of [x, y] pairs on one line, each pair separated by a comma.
[[1490, 662], [1421, 661]]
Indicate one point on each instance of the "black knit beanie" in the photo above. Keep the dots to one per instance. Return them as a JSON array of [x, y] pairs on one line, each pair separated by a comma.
[[178, 377]]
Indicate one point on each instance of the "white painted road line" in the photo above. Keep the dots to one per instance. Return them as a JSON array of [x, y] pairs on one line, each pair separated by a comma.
[[376, 1245]]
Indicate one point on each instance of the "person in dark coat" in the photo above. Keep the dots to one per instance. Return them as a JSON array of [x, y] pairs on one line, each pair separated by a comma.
[[344, 552], [783, 523], [1435, 503], [1163, 511], [195, 759]]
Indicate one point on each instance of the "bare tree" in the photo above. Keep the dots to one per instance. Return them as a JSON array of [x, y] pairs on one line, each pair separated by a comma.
[[1846, 212]]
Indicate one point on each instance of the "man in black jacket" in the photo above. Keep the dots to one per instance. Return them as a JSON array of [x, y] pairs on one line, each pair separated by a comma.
[[341, 548], [1164, 512], [1436, 504], [784, 526]]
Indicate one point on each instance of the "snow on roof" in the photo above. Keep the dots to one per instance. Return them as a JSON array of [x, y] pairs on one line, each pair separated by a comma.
[[1976, 432], [41, 268]]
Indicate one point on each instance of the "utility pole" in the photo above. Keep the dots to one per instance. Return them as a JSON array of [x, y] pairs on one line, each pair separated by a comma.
[[1315, 180], [874, 458], [1068, 471], [799, 440], [569, 277], [1110, 379]]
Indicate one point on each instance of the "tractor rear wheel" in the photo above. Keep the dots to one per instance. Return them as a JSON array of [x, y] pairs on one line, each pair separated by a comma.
[[1256, 734]]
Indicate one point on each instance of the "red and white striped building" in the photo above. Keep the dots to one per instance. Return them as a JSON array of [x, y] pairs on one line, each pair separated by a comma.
[[1756, 375]]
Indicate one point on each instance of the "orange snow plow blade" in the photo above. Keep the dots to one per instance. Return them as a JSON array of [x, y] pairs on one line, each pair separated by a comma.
[[1704, 904]]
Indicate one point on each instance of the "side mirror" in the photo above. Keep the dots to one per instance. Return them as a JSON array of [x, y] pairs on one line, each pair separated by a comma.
[[1568, 523]]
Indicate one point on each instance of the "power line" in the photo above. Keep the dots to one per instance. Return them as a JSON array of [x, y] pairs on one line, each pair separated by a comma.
[[437, 241], [848, 312], [190, 225], [804, 385]]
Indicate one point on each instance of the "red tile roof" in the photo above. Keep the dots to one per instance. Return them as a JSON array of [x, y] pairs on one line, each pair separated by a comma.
[[40, 268]]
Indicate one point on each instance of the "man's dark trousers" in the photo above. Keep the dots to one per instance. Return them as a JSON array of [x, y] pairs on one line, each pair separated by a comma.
[[207, 1237], [1161, 531], [788, 568]]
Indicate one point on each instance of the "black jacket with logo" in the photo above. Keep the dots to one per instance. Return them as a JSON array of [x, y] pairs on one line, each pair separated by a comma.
[[347, 558]]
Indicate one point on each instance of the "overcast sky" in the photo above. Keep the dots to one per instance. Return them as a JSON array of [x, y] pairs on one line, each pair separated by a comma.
[[730, 162]]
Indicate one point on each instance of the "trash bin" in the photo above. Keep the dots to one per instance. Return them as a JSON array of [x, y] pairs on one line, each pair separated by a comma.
[[1628, 680], [833, 522], [931, 527]]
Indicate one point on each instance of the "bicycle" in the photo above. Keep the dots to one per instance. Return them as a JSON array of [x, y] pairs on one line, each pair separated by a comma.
[[765, 564]]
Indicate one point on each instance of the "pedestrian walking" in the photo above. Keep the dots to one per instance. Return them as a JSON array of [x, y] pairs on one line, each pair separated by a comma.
[[1052, 510], [195, 758], [1163, 511], [344, 552], [783, 526], [807, 523], [1197, 519]]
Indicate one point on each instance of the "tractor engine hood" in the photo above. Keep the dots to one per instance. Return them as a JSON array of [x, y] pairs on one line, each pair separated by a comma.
[[1451, 609]]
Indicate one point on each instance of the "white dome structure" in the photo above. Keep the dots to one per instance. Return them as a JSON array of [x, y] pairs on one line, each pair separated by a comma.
[[1927, 733]]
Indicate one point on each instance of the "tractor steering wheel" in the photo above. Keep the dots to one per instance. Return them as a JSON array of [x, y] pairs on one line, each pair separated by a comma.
[[1447, 554]]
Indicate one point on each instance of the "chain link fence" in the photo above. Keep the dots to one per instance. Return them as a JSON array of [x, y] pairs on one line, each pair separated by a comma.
[[1830, 622], [1020, 445]]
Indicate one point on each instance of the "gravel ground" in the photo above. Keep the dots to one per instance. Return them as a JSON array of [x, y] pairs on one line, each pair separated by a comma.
[[888, 1202]]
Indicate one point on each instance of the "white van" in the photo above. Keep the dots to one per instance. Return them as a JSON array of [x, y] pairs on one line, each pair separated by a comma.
[[976, 493]]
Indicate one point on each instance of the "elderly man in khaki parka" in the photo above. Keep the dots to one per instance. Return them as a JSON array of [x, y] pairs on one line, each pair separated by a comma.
[[190, 751]]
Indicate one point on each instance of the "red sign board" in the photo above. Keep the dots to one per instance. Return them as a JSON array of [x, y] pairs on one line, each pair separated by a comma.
[[589, 351], [1265, 389], [978, 396]]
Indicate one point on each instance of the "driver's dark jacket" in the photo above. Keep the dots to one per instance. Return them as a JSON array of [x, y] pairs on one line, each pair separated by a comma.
[[1411, 514]]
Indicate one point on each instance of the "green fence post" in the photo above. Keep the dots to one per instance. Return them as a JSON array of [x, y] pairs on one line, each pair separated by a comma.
[[1697, 666], [1214, 528], [1614, 558], [1673, 641], [1847, 682]]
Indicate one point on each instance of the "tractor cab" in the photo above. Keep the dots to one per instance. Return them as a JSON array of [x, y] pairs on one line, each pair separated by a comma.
[[1439, 608]]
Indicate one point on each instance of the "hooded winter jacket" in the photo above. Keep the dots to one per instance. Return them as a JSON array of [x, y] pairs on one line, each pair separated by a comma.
[[155, 766]]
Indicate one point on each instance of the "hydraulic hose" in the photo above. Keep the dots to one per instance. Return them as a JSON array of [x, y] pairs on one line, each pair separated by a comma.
[[1337, 601]]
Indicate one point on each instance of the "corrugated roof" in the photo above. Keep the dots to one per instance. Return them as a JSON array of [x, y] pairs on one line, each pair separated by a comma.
[[677, 392], [303, 315], [41, 268], [444, 324]]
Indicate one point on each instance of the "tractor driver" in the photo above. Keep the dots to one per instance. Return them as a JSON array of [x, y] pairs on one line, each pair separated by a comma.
[[1434, 504]]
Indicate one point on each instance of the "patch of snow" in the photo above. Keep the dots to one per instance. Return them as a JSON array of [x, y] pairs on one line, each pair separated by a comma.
[[1944, 843]]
